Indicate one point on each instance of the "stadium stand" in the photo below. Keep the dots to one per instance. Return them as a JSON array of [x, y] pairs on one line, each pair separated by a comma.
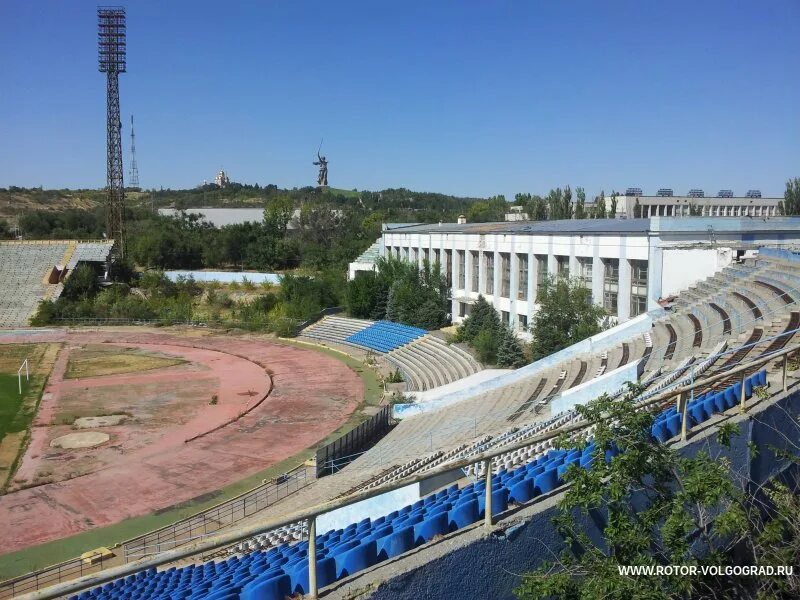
[[26, 269], [283, 570], [385, 336], [511, 410], [426, 360]]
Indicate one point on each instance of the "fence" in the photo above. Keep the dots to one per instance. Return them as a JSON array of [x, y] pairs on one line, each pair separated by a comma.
[[217, 517], [341, 452], [181, 532], [310, 514]]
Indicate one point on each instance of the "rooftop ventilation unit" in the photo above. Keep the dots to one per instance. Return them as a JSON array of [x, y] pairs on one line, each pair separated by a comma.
[[725, 194], [696, 194], [753, 194], [665, 192], [633, 192]]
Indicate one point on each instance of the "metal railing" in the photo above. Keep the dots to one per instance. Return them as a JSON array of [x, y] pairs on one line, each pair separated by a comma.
[[193, 528], [310, 515], [217, 517]]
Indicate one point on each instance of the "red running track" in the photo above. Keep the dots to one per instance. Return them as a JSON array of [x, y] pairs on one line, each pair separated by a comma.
[[313, 395]]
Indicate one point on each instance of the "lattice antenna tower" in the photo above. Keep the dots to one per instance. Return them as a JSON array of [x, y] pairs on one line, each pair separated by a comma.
[[133, 175], [111, 41]]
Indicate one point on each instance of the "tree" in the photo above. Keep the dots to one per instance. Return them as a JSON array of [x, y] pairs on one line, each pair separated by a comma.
[[81, 283], [647, 519], [694, 210], [566, 316], [560, 204], [400, 291], [600, 206], [482, 316], [278, 213], [580, 204], [637, 210], [509, 349], [791, 197], [493, 209], [536, 207], [657, 506], [612, 213]]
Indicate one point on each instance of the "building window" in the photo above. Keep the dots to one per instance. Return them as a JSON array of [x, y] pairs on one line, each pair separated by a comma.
[[462, 309], [437, 260], [541, 273], [405, 254], [610, 284], [504, 317], [505, 274], [522, 276], [476, 272], [562, 266], [488, 257], [638, 287], [585, 272], [522, 322], [461, 269], [426, 255], [448, 266], [414, 255], [397, 252]]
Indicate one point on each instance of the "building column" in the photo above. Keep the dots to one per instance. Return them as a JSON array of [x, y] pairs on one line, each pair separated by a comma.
[[624, 296], [481, 273], [496, 285], [532, 269], [513, 289], [598, 272]]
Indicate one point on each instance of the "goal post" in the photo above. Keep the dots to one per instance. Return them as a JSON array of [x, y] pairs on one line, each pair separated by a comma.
[[24, 365]]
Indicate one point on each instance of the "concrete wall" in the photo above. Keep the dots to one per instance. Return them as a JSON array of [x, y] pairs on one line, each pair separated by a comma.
[[583, 393], [371, 507], [605, 340], [225, 276], [685, 267], [476, 566]]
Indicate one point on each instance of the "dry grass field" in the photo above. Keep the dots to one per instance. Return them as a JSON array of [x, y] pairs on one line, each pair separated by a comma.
[[18, 410], [96, 360]]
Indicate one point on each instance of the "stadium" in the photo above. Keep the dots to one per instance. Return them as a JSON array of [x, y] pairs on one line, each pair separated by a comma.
[[134, 420], [270, 388]]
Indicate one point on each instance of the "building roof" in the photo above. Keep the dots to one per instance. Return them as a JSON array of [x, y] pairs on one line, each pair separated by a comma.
[[653, 225], [586, 226]]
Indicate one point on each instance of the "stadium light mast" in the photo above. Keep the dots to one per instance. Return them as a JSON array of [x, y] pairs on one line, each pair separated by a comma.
[[111, 42]]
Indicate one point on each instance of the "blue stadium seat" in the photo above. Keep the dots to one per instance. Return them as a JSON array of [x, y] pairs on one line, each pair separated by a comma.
[[326, 574], [522, 491], [275, 588], [361, 557], [400, 541], [437, 524], [463, 514]]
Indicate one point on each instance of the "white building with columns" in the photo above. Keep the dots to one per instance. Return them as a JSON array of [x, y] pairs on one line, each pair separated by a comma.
[[629, 264]]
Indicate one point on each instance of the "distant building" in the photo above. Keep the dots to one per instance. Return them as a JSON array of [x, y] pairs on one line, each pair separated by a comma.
[[628, 264], [221, 179], [517, 214], [724, 205]]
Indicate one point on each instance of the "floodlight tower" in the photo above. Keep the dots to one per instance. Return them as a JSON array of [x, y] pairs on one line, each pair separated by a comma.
[[111, 46], [134, 172]]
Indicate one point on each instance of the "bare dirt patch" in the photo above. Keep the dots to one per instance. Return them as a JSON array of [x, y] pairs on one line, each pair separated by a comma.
[[104, 421], [88, 439]]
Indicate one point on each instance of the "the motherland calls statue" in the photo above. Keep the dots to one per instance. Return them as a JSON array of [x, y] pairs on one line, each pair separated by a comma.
[[322, 179]]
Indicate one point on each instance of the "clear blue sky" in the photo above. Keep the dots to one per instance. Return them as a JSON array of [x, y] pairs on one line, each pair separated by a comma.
[[472, 98]]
